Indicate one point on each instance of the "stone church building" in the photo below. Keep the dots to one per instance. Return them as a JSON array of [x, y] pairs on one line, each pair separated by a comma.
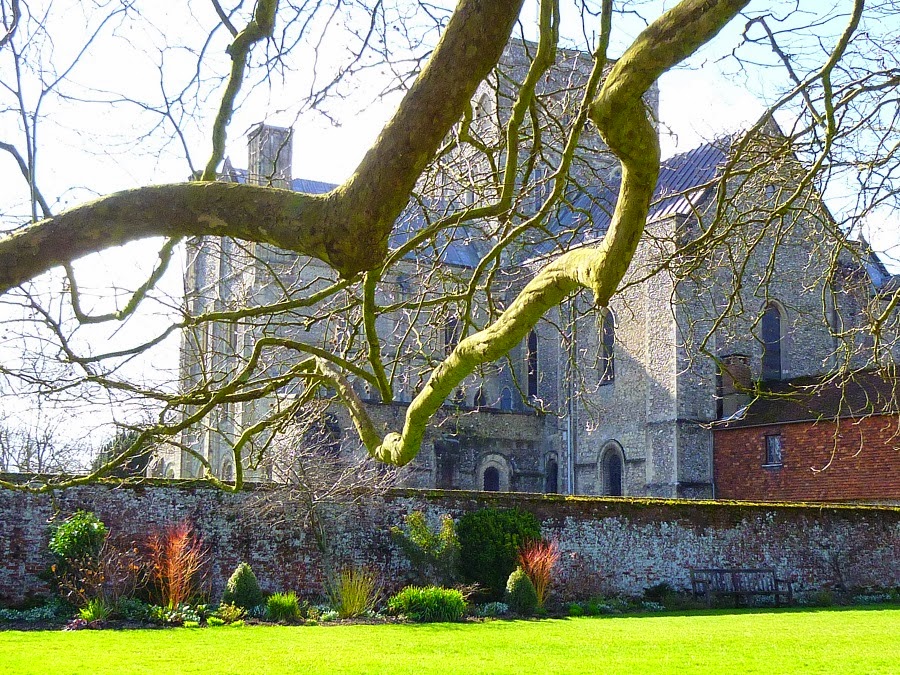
[[597, 401]]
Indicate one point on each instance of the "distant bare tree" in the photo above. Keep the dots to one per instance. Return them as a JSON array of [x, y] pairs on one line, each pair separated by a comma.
[[39, 446], [318, 475]]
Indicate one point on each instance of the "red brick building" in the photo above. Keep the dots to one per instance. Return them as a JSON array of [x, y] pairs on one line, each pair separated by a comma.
[[808, 440]]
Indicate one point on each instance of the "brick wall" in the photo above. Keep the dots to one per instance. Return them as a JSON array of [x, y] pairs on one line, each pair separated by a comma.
[[853, 460], [608, 545]]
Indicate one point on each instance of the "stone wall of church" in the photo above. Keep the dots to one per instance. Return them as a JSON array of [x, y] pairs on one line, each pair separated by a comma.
[[608, 546]]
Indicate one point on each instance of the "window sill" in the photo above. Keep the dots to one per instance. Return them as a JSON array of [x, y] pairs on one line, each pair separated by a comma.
[[773, 466]]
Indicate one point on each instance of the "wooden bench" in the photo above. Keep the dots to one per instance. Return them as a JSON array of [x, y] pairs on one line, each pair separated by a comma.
[[739, 584]]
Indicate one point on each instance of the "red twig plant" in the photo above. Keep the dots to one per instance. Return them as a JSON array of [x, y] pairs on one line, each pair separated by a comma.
[[177, 560], [537, 559]]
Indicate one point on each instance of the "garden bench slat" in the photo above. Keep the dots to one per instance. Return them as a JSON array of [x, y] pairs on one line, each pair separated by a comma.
[[739, 583]]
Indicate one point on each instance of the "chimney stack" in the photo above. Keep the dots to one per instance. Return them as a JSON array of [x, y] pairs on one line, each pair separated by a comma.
[[270, 156]]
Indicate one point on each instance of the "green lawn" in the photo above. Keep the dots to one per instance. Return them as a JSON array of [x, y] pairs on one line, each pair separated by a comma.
[[771, 642]]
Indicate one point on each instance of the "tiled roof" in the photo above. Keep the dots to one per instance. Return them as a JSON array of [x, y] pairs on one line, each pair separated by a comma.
[[868, 392]]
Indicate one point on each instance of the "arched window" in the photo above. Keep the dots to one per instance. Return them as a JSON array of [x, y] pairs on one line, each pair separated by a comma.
[[451, 334], [532, 364], [483, 107], [612, 469], [402, 288], [158, 469], [324, 435], [491, 479], [551, 476], [771, 339], [227, 470], [480, 400], [607, 356], [505, 399]]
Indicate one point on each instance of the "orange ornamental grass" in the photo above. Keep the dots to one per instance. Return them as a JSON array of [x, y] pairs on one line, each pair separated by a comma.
[[177, 560], [537, 559]]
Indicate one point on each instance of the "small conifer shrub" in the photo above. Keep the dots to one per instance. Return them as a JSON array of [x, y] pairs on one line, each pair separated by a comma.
[[520, 594], [243, 589]]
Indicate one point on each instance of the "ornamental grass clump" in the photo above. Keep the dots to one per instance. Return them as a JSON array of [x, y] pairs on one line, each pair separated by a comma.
[[428, 604], [283, 608], [243, 589], [537, 559], [520, 594], [354, 592]]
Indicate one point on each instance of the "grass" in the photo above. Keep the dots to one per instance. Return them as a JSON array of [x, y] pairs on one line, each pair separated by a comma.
[[846, 641]]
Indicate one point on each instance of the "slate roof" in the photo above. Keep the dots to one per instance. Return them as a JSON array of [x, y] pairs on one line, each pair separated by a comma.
[[464, 246], [681, 188], [868, 392]]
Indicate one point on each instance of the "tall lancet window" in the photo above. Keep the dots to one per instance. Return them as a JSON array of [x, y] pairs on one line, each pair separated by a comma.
[[772, 343]]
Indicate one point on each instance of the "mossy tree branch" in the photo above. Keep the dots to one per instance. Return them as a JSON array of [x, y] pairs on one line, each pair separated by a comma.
[[620, 115]]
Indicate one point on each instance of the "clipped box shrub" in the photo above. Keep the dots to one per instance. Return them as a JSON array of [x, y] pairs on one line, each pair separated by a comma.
[[520, 594], [243, 589], [428, 604], [490, 541]]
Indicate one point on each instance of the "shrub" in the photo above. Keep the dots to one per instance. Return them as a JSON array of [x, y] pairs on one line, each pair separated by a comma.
[[79, 536], [492, 609], [575, 609], [428, 604], [258, 612], [109, 574], [132, 609], [354, 592], [658, 592], [53, 610], [175, 616], [283, 607], [490, 540], [243, 589], [537, 559], [434, 555], [191, 624], [230, 613], [823, 598], [177, 560], [214, 621], [520, 593]]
